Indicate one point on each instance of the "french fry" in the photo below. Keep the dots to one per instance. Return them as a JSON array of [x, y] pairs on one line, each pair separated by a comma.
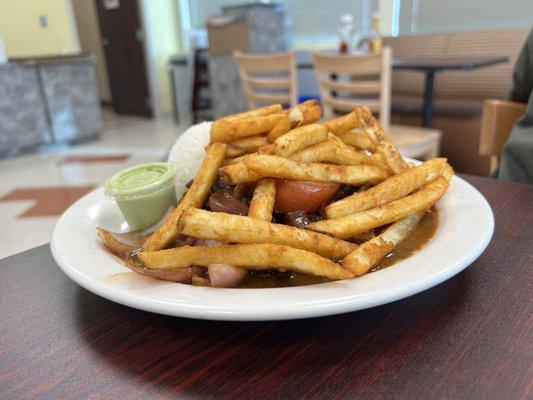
[[290, 121], [303, 114], [250, 144], [447, 172], [194, 197], [268, 166], [229, 228], [377, 160], [248, 256], [370, 253], [393, 188], [353, 224], [348, 155], [345, 155], [234, 151], [230, 160], [381, 141], [262, 204], [335, 138], [230, 130], [331, 151], [320, 152], [364, 237], [300, 138], [223, 124], [311, 110], [356, 137], [342, 124], [258, 112], [267, 149], [237, 173], [283, 126]]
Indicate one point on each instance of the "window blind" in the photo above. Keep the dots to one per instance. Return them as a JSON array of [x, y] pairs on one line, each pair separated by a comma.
[[434, 16], [312, 20], [315, 19]]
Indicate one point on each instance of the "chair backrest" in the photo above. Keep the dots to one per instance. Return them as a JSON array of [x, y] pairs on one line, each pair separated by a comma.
[[349, 81], [268, 78], [497, 120]]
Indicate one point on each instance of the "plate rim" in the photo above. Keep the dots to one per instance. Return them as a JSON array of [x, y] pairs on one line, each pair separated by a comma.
[[127, 298]]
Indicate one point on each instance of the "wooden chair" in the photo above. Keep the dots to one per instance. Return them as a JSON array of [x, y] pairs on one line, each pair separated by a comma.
[[268, 78], [497, 120], [369, 83], [349, 81]]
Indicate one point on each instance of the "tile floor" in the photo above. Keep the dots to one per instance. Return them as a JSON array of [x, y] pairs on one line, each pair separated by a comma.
[[36, 188]]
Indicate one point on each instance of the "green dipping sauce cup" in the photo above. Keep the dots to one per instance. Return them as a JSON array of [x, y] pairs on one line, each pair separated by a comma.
[[143, 193]]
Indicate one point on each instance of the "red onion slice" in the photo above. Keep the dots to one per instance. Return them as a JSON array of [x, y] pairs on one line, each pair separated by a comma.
[[225, 275]]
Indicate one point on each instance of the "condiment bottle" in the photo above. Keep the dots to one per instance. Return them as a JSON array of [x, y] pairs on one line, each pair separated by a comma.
[[375, 38], [346, 33]]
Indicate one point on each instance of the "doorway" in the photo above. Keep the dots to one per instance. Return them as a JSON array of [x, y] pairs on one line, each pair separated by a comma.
[[123, 43]]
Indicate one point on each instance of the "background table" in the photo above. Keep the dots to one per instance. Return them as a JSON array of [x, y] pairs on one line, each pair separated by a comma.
[[431, 66], [468, 338]]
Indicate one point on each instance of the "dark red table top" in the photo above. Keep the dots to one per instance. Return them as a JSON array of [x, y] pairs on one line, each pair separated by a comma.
[[468, 338]]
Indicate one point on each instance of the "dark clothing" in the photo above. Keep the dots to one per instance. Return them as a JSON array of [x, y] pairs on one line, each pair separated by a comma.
[[517, 157]]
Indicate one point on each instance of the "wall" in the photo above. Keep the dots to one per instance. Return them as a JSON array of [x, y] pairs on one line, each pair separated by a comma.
[[23, 36], [160, 21], [90, 42]]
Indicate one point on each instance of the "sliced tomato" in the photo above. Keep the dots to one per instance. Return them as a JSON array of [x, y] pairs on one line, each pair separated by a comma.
[[303, 195]]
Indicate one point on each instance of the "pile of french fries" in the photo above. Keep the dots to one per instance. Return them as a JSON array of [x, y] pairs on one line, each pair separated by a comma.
[[270, 143]]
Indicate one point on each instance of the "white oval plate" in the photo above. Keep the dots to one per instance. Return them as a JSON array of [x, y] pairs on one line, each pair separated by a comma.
[[465, 229]]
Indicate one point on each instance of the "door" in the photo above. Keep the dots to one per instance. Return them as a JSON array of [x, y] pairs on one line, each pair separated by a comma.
[[123, 42]]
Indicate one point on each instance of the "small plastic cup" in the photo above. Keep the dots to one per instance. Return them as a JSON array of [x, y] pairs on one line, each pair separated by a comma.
[[143, 193]]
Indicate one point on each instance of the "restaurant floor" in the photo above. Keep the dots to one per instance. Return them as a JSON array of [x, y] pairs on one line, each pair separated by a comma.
[[35, 189]]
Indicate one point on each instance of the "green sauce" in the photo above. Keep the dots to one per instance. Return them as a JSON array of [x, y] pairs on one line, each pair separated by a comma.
[[143, 193]]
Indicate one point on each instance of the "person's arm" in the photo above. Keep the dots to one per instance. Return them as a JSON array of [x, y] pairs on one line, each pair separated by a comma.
[[523, 73]]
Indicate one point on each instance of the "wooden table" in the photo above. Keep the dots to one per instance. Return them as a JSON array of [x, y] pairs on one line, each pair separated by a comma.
[[468, 338], [433, 65], [429, 66]]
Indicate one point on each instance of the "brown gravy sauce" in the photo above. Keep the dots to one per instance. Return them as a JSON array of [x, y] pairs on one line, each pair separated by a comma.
[[418, 238]]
